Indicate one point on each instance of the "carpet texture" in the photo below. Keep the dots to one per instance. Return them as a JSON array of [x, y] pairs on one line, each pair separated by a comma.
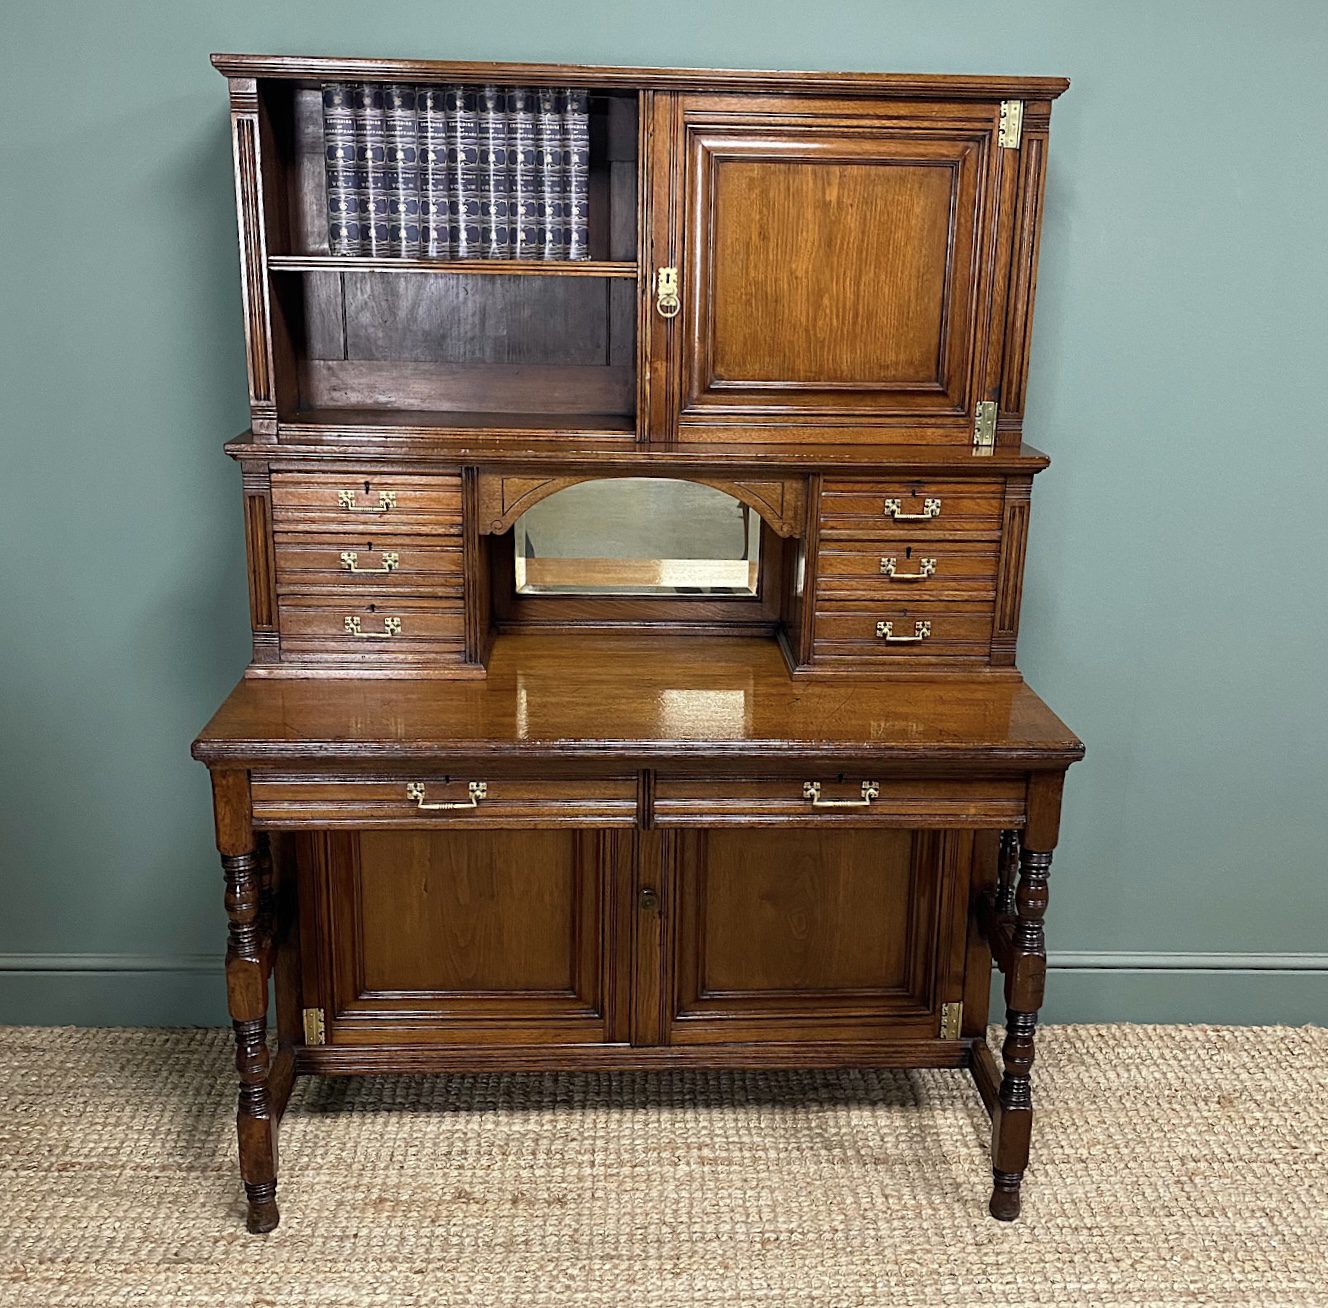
[[1172, 1165]]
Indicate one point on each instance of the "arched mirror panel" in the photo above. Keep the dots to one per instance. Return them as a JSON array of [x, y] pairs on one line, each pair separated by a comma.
[[638, 536]]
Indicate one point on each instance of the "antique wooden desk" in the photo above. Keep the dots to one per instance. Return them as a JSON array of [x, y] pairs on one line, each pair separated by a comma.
[[485, 799]]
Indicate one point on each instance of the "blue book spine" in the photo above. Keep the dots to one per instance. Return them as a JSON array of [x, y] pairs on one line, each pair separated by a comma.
[[343, 198], [495, 218], [576, 171], [403, 170], [549, 138], [463, 157], [435, 175], [525, 197], [371, 164]]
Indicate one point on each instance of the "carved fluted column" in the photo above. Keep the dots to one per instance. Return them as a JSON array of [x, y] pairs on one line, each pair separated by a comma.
[[248, 957]]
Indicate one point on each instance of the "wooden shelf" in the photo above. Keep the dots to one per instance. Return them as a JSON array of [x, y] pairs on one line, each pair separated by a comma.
[[371, 424], [482, 267]]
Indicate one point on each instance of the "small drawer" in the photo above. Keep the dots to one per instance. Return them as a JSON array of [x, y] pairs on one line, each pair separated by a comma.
[[340, 502], [429, 798], [389, 564], [895, 569], [839, 800], [912, 509], [384, 626], [944, 628]]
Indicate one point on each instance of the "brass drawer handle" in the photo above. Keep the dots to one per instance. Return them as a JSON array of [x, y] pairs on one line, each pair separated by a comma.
[[931, 508], [925, 568], [477, 790], [350, 561], [871, 790], [667, 303], [391, 627], [387, 501], [886, 631]]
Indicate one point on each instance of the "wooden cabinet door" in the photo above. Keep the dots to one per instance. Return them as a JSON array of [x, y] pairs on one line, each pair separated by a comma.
[[813, 934], [836, 267], [471, 937]]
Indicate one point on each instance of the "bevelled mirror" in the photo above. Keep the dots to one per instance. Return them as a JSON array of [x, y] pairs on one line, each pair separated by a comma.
[[638, 536]]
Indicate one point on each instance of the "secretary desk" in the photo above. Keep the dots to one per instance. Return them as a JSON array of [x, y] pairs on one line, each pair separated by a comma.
[[633, 679]]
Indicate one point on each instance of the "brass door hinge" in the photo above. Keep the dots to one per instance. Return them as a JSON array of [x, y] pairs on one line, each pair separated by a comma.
[[315, 1027], [1012, 124], [952, 1017], [984, 425]]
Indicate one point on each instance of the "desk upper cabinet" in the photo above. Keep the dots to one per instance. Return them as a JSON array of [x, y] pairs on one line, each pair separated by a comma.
[[813, 259]]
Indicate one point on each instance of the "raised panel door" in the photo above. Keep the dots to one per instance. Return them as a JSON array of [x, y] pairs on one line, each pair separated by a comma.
[[836, 268], [472, 937], [784, 934]]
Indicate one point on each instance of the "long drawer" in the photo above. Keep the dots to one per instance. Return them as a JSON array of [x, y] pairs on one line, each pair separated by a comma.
[[387, 564], [431, 798], [893, 630], [837, 800], [878, 509], [897, 569], [340, 502], [385, 626]]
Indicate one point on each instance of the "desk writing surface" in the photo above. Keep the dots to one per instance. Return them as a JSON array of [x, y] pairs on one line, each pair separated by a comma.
[[615, 695]]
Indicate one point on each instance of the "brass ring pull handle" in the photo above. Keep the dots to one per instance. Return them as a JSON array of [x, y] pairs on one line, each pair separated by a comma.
[[391, 627], [477, 790], [350, 560], [871, 790], [931, 508], [888, 569], [667, 303], [886, 631], [387, 501]]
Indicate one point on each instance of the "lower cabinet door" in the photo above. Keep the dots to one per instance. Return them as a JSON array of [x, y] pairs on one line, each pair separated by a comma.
[[813, 934], [468, 936]]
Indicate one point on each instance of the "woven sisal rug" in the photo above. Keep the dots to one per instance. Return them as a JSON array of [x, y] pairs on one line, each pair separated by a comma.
[[1172, 1165]]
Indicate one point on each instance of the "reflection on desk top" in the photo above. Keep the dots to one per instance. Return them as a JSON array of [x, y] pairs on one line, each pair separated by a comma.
[[632, 697]]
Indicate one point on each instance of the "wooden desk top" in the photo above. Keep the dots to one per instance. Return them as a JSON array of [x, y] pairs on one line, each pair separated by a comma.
[[632, 697]]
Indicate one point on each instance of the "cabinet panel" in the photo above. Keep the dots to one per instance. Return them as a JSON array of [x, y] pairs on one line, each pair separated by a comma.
[[471, 937], [829, 800], [923, 629], [887, 569], [926, 510], [814, 933], [404, 565], [424, 798], [346, 502], [833, 265], [370, 626]]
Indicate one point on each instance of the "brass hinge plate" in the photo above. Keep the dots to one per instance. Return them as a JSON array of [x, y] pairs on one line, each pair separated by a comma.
[[984, 425], [952, 1017], [315, 1027], [1012, 124]]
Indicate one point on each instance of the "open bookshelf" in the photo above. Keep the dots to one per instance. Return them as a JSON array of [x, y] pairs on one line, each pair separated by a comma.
[[420, 344]]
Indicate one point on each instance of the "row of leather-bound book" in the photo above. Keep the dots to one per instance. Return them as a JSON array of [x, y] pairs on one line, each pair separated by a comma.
[[457, 172]]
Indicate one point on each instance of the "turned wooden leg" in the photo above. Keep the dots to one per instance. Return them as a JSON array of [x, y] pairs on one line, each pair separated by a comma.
[[1025, 983], [248, 953]]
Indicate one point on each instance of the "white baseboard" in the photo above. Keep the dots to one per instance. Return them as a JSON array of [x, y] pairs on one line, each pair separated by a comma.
[[188, 989], [1111, 961]]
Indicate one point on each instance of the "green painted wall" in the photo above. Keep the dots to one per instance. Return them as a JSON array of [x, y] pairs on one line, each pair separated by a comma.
[[1175, 610]]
